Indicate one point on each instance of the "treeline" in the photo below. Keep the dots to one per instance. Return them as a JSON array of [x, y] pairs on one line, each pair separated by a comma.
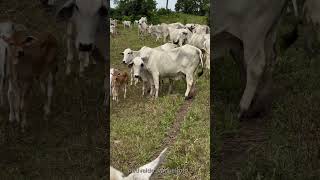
[[134, 9]]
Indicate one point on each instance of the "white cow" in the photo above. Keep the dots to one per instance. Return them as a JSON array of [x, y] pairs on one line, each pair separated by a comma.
[[178, 36], [136, 22], [190, 26], [197, 40], [113, 29], [159, 31], [126, 24], [172, 63], [129, 55], [142, 19], [176, 25], [142, 29], [142, 173], [206, 46], [201, 29]]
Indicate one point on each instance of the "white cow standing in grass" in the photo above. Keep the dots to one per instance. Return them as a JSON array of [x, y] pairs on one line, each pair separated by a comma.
[[126, 24], [172, 63], [142, 29], [129, 55]]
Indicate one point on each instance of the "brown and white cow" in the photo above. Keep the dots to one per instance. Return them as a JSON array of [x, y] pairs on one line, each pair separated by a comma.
[[119, 80], [31, 58]]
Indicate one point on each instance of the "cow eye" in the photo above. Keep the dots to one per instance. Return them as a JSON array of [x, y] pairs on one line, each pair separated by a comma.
[[130, 52]]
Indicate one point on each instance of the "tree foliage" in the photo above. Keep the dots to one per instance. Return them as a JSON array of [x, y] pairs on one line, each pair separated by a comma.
[[197, 7], [134, 9]]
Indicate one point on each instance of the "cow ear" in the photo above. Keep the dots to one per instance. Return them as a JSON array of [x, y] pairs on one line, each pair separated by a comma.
[[66, 11]]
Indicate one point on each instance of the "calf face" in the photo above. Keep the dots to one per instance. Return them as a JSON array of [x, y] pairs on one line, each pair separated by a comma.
[[17, 43], [86, 16]]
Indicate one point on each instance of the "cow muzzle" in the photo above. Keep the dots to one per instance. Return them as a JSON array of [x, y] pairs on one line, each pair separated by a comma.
[[85, 47]]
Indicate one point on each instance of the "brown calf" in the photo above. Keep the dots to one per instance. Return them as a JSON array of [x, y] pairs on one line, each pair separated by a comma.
[[119, 80], [30, 58]]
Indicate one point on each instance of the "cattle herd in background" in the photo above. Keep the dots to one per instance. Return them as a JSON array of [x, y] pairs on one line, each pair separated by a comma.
[[185, 48]]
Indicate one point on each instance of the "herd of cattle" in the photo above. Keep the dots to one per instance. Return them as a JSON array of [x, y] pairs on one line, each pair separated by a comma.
[[188, 47]]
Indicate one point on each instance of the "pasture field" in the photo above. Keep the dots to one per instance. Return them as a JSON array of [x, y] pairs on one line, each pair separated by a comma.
[[71, 145], [141, 128], [283, 145]]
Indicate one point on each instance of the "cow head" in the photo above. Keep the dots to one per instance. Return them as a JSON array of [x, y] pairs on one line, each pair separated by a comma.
[[183, 37], [137, 64], [86, 16], [128, 56], [142, 173], [18, 42]]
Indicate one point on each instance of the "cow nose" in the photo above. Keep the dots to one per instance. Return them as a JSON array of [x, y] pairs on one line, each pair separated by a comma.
[[124, 62], [85, 47], [136, 76]]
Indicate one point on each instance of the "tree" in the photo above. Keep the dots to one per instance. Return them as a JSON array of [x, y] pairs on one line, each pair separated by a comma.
[[198, 7], [167, 4]]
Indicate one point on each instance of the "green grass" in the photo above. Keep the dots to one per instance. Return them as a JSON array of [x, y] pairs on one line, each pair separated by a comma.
[[140, 125], [292, 147]]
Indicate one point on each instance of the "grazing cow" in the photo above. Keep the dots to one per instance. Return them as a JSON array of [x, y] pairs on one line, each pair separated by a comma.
[[178, 36], [206, 47], [119, 80], [30, 58], [87, 30], [142, 173], [6, 30], [126, 24], [171, 63], [143, 29], [248, 29]]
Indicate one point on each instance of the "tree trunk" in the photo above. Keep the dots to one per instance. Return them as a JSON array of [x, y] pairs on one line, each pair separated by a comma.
[[167, 5]]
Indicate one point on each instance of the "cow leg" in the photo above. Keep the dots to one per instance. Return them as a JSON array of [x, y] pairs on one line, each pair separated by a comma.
[[143, 88], [11, 99], [125, 91], [23, 106], [69, 49], [255, 62], [131, 76], [47, 107], [189, 80], [156, 84]]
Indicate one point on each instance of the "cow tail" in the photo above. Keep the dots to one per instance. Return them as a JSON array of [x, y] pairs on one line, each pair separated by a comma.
[[201, 62]]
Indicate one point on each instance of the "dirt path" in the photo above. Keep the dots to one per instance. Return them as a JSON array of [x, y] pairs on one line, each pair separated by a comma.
[[175, 128], [236, 148]]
